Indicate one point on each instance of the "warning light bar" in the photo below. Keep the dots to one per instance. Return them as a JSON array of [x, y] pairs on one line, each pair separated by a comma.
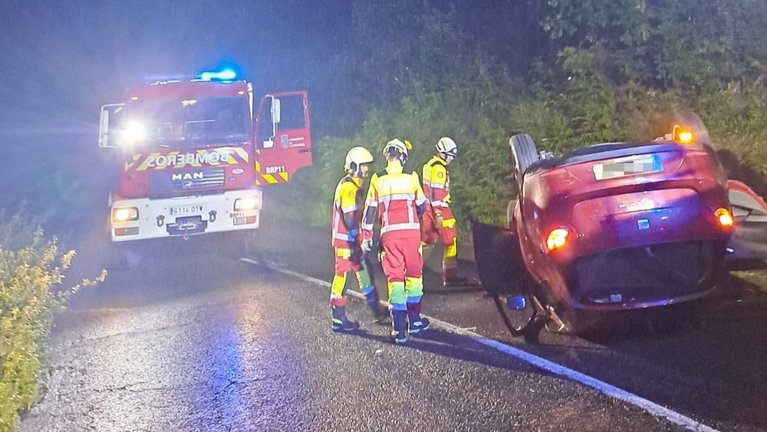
[[222, 75], [682, 135]]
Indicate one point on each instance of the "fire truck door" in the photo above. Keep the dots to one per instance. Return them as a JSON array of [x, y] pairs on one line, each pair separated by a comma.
[[283, 137]]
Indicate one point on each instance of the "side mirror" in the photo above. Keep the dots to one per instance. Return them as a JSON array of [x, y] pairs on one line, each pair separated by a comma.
[[109, 136], [275, 111]]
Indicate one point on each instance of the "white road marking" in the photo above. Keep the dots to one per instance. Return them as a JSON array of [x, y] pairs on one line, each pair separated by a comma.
[[539, 362]]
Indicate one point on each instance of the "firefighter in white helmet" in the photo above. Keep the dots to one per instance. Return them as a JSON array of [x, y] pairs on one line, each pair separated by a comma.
[[438, 220], [396, 199], [346, 240]]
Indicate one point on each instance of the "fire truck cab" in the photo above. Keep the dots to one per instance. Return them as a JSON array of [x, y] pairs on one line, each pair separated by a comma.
[[195, 153]]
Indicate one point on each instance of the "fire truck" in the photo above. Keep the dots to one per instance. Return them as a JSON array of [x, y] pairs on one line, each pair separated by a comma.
[[195, 153]]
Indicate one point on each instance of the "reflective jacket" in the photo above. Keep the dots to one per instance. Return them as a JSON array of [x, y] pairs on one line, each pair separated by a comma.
[[346, 212], [396, 196], [436, 186]]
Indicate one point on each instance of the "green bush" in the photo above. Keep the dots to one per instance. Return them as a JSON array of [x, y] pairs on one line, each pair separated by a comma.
[[31, 292], [481, 116]]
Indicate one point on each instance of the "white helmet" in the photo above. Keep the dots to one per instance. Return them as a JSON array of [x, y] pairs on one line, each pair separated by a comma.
[[356, 157], [447, 146], [402, 147]]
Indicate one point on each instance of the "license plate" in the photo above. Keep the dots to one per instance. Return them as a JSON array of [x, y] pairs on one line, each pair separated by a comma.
[[194, 209], [627, 166]]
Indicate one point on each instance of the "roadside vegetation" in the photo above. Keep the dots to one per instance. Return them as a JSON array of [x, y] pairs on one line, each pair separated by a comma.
[[568, 73], [32, 291]]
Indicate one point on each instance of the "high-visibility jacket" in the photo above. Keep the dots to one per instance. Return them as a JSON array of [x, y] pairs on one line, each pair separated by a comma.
[[346, 212], [436, 186], [397, 197]]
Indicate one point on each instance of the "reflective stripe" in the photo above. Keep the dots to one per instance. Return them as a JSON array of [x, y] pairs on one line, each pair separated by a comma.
[[439, 204], [400, 226], [341, 236], [343, 253], [396, 197], [437, 185], [367, 227], [349, 209]]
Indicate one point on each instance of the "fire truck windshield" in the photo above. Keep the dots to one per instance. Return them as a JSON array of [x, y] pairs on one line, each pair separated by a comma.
[[186, 122]]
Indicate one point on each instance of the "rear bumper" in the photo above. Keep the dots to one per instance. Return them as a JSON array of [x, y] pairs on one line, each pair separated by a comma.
[[183, 216]]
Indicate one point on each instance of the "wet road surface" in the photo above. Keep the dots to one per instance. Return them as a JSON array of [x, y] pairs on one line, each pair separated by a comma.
[[217, 344]]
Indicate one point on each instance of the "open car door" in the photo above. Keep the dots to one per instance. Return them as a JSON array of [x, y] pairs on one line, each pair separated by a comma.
[[499, 260], [505, 278], [283, 136], [747, 248]]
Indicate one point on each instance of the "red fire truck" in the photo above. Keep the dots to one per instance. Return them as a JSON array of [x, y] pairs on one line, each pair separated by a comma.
[[194, 154]]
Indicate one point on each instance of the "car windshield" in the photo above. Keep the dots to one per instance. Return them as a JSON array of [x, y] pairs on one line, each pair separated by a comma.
[[179, 123]]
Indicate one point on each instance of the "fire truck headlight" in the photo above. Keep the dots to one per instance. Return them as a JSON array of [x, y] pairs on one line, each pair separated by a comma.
[[134, 132], [124, 214], [248, 203]]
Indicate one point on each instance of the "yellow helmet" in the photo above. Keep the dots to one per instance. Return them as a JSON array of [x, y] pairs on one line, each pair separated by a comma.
[[356, 157]]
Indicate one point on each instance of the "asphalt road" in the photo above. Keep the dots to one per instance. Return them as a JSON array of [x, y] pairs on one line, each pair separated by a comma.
[[192, 341], [195, 340]]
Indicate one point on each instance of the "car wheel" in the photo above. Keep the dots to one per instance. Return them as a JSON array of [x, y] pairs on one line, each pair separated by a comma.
[[132, 254], [525, 154]]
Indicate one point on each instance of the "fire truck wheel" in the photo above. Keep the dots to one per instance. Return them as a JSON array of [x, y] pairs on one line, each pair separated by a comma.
[[235, 245], [132, 255]]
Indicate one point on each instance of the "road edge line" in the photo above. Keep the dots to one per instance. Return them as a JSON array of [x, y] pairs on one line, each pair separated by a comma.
[[610, 390]]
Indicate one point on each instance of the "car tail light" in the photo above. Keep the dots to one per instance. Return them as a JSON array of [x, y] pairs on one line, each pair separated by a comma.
[[724, 217], [556, 239]]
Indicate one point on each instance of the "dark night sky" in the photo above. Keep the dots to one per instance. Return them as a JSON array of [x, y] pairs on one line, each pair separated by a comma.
[[61, 60]]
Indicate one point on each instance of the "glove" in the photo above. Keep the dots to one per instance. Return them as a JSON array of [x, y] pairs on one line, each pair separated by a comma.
[[367, 245], [352, 236]]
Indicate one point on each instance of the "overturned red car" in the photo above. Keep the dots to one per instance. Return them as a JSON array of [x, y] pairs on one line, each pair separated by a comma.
[[608, 228]]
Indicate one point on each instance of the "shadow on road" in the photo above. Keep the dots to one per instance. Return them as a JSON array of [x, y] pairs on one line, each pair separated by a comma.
[[449, 345]]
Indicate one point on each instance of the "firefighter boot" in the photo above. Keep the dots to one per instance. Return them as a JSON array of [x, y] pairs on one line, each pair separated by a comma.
[[399, 326], [417, 322], [380, 314], [340, 322]]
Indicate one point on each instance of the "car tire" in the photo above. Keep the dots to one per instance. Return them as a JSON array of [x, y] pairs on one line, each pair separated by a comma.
[[525, 154]]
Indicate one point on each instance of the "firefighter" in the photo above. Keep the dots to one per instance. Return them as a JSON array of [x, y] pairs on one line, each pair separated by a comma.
[[396, 199], [438, 220], [346, 241]]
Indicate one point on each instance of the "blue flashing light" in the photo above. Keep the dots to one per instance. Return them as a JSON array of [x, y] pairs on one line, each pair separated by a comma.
[[222, 75]]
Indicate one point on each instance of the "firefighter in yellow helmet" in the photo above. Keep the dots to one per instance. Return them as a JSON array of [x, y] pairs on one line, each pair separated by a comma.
[[438, 220], [396, 199], [346, 241]]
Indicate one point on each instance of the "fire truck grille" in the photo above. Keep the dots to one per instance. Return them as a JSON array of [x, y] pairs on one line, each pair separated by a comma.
[[162, 183]]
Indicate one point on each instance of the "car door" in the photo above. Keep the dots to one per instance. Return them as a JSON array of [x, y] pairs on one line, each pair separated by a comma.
[[282, 136]]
